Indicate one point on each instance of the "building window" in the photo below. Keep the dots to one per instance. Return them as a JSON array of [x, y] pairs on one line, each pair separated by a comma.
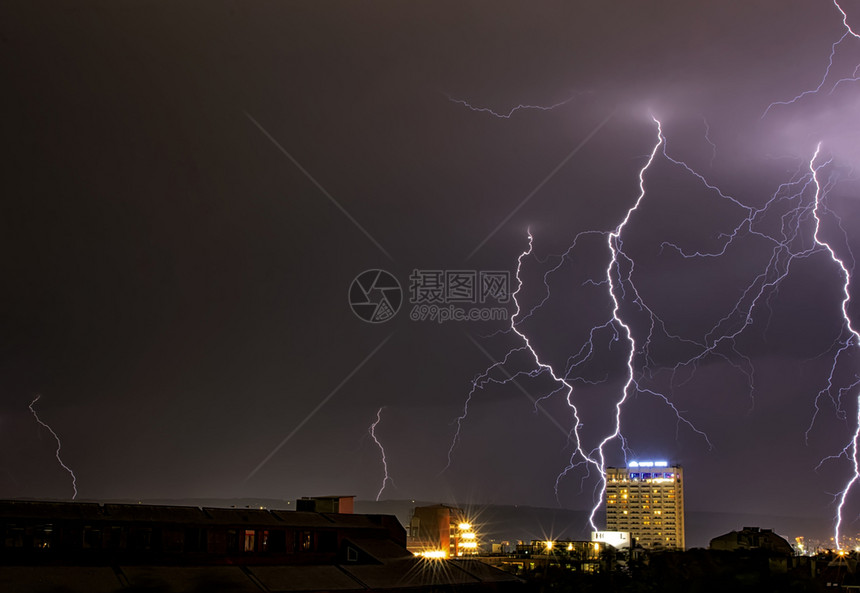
[[42, 536], [172, 540], [278, 541], [232, 541], [195, 540], [116, 537], [14, 536], [306, 539], [250, 540], [141, 539], [92, 537], [327, 542]]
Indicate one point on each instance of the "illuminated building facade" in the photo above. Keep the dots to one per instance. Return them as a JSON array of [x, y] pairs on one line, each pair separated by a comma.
[[441, 531], [646, 498]]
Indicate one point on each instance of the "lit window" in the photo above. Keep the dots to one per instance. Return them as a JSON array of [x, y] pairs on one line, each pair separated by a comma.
[[250, 540], [305, 541]]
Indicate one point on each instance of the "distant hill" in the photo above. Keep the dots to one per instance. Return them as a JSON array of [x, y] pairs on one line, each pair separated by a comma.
[[512, 523], [519, 522], [702, 526]]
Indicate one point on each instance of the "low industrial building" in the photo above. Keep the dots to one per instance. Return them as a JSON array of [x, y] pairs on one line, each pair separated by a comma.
[[110, 548], [576, 556]]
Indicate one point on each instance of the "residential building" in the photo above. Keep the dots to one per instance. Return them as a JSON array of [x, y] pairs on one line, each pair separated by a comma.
[[646, 498], [441, 531]]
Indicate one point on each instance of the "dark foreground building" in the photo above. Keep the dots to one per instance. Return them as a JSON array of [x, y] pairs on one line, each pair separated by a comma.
[[752, 538], [94, 548]]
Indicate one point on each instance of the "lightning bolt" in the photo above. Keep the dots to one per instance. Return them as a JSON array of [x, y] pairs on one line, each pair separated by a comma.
[[618, 274], [709, 141], [850, 450], [539, 368], [616, 278], [372, 430], [820, 86], [513, 110], [59, 446], [788, 243], [849, 32], [845, 24], [615, 244], [785, 229]]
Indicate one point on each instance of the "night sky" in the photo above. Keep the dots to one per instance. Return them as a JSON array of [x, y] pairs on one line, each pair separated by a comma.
[[189, 189]]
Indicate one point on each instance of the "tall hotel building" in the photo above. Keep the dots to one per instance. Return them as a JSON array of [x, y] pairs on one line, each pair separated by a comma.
[[646, 499]]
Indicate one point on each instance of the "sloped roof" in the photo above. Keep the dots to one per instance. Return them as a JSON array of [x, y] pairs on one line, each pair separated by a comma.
[[39, 579], [27, 509], [156, 513], [187, 579], [305, 578], [84, 511]]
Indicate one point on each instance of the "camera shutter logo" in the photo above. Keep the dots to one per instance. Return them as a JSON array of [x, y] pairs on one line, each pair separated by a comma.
[[375, 296]]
